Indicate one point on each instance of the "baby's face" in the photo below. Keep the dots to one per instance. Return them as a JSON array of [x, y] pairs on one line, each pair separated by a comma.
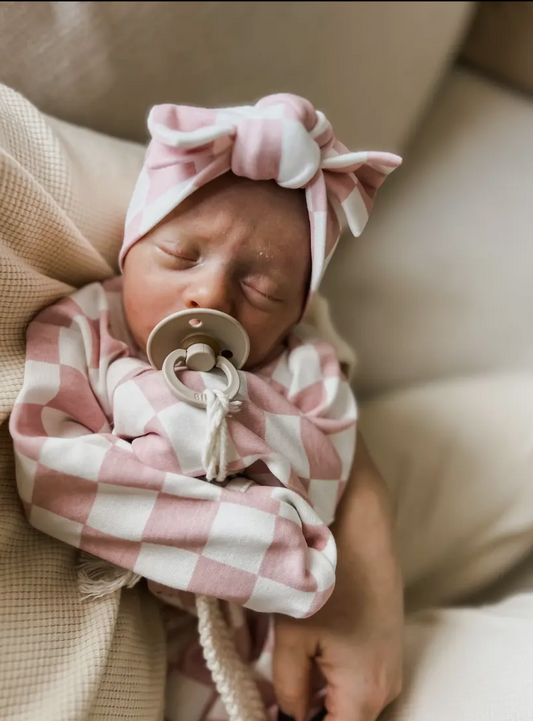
[[236, 245]]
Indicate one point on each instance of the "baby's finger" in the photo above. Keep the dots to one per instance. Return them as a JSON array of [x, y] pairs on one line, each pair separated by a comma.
[[291, 670]]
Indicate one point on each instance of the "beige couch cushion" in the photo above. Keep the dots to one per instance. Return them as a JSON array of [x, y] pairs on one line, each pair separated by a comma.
[[370, 66], [440, 284], [437, 300], [458, 457], [469, 665], [500, 42]]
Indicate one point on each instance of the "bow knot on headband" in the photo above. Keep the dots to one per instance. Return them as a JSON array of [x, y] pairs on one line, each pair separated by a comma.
[[281, 138]]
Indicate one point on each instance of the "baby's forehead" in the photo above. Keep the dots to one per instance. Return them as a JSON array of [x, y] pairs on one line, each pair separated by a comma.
[[249, 195], [267, 220]]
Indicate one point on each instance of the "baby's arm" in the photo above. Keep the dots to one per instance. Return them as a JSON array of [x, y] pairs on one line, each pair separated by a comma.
[[257, 546]]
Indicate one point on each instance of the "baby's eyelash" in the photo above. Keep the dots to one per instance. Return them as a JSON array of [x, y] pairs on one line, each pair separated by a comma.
[[173, 254], [270, 297], [265, 295]]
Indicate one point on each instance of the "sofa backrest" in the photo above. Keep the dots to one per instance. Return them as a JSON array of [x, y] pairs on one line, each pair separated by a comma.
[[370, 66]]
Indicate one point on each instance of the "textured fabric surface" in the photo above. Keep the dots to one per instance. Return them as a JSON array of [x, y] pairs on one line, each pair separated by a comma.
[[103, 64], [283, 138], [97, 661]]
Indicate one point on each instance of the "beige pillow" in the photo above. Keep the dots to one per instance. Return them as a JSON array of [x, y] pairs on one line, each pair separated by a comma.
[[458, 458], [469, 665], [437, 299], [440, 285]]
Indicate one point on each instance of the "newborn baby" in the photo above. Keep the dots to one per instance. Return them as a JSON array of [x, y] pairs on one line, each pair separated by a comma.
[[239, 211]]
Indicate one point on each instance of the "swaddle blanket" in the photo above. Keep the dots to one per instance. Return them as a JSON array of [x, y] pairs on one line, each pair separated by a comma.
[[108, 460]]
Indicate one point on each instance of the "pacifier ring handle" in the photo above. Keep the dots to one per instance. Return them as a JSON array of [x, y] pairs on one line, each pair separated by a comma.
[[197, 398]]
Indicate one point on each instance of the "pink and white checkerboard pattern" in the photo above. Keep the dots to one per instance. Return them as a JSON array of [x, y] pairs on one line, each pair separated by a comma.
[[283, 138], [109, 461]]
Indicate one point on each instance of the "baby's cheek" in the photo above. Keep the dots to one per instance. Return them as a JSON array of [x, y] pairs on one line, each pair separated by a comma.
[[266, 336], [137, 324], [141, 316]]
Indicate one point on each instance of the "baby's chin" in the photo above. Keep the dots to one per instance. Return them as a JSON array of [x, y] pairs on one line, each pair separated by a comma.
[[262, 357]]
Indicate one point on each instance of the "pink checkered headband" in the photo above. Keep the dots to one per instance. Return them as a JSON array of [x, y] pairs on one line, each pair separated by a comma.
[[281, 138]]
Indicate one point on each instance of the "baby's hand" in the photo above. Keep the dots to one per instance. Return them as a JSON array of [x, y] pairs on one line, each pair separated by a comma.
[[356, 638]]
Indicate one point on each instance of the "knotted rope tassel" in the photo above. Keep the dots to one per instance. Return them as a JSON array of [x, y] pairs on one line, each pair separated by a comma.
[[232, 677], [215, 450]]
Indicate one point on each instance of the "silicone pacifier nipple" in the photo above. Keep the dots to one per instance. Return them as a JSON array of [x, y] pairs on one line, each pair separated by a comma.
[[200, 357]]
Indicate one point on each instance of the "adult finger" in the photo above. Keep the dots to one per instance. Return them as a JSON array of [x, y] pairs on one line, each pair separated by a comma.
[[291, 671]]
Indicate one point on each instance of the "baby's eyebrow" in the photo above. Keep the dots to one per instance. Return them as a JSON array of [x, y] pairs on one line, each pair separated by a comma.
[[181, 236], [269, 265], [280, 279]]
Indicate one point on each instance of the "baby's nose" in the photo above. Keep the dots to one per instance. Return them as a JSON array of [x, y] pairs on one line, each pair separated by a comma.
[[209, 292]]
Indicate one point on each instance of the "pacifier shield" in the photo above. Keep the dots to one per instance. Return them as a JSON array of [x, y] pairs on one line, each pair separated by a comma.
[[226, 336]]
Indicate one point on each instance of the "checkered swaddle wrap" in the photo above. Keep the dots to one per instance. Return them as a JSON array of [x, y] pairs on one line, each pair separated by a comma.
[[109, 461], [283, 138]]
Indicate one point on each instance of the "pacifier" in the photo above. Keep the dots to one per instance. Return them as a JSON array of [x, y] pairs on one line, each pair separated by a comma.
[[201, 340]]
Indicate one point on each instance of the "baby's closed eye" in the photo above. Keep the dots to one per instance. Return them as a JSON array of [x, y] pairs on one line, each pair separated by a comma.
[[264, 288], [175, 253]]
